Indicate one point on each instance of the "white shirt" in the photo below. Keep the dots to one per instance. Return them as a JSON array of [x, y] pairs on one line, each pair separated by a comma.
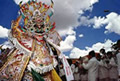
[[103, 70], [73, 68], [118, 62], [113, 72], [76, 75], [62, 72], [92, 68]]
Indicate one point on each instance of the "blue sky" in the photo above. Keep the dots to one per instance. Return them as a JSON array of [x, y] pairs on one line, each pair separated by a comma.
[[83, 25], [91, 35]]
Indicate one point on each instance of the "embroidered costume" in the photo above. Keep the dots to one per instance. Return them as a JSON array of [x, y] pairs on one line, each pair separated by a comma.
[[34, 39]]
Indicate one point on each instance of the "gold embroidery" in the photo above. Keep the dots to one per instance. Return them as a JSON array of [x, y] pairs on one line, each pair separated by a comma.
[[9, 58]]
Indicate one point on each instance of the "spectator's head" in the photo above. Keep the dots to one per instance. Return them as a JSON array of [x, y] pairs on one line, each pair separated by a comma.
[[116, 46], [98, 56], [92, 53], [118, 43], [76, 64], [109, 54], [102, 51]]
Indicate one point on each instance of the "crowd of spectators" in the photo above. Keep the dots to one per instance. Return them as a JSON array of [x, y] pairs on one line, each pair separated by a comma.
[[105, 66]]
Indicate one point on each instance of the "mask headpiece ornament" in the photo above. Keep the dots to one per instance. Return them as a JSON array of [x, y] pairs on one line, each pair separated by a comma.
[[35, 17]]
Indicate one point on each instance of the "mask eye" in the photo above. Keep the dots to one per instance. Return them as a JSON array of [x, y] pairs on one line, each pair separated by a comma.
[[31, 30], [35, 26], [42, 26]]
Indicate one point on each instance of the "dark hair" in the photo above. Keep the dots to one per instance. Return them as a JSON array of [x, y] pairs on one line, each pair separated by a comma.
[[92, 53], [118, 41], [109, 54], [116, 46], [102, 50]]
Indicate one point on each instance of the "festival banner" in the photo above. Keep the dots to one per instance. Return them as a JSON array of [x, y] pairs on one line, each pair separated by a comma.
[[67, 68]]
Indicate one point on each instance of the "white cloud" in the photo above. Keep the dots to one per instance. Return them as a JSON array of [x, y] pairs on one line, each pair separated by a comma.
[[7, 44], [106, 45], [3, 32], [68, 31], [111, 22], [76, 52], [66, 57], [67, 44], [67, 12], [86, 21], [81, 12], [81, 35], [98, 22], [93, 1]]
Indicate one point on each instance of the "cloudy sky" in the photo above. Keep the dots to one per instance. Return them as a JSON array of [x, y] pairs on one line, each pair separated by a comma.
[[82, 24]]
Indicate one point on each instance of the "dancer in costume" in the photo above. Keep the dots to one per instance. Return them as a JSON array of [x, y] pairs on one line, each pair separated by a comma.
[[34, 39]]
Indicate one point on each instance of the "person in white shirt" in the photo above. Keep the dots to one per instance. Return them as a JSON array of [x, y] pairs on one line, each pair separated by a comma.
[[103, 71], [83, 72], [76, 72], [62, 73], [73, 67], [118, 62], [113, 72], [118, 57], [92, 67]]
